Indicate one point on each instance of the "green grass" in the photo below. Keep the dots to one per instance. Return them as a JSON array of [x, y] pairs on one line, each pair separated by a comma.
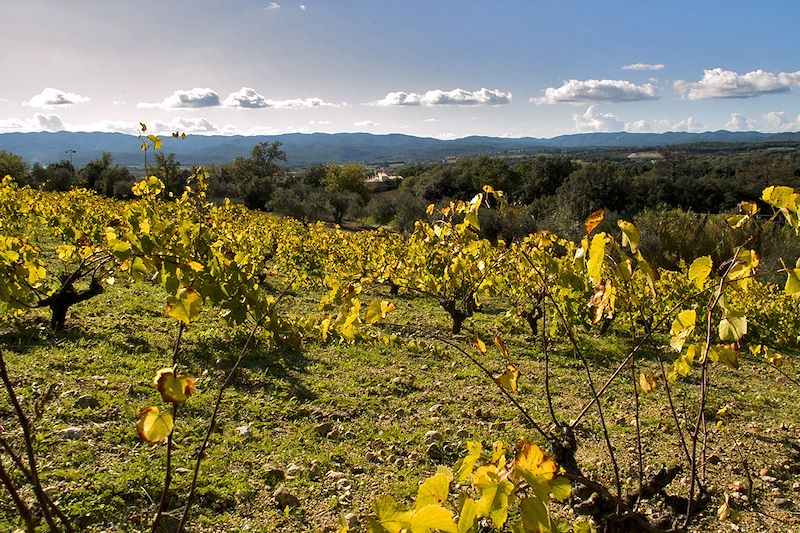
[[380, 400]]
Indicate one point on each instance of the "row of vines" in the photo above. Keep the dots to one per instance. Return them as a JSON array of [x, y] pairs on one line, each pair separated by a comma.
[[57, 250]]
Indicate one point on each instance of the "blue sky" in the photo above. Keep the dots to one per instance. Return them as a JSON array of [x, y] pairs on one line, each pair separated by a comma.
[[435, 68]]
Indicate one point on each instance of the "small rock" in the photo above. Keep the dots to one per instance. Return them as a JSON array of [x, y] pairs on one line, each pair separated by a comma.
[[435, 408], [351, 520], [763, 472], [462, 433], [796, 486], [350, 435], [293, 470], [769, 479], [782, 502], [434, 452], [333, 475], [314, 471], [87, 402], [244, 431], [372, 457], [343, 485], [433, 436], [323, 429], [72, 433], [285, 498], [273, 475], [397, 381], [713, 459]]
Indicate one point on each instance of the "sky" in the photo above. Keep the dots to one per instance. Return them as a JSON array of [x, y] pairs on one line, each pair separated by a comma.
[[433, 68]]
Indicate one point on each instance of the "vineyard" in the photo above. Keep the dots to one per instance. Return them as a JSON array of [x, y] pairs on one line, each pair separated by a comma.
[[171, 364]]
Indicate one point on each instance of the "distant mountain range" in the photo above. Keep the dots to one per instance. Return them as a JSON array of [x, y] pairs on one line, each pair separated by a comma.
[[307, 149]]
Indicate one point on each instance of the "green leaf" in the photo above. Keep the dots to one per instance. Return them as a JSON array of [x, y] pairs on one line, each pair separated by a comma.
[[535, 518], [186, 306], [471, 218], [733, 327], [792, 281], [700, 270], [560, 488]]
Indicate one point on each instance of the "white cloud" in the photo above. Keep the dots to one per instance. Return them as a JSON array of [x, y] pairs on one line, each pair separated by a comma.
[[194, 126], [582, 91], [778, 121], [438, 97], [592, 120], [38, 122], [661, 125], [431, 120], [366, 123], [118, 102], [196, 98], [643, 66], [273, 6], [245, 98], [301, 102], [739, 122], [51, 98], [302, 7], [319, 122], [718, 83]]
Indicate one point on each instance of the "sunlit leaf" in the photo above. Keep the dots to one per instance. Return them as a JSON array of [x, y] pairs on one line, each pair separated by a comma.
[[432, 518], [597, 255], [173, 389], [153, 425], [475, 449], [534, 466], [468, 517], [185, 306], [733, 327], [593, 220], [508, 379], [630, 235], [700, 270], [390, 515], [501, 346], [480, 345], [434, 490], [494, 493], [682, 327], [560, 488], [647, 382]]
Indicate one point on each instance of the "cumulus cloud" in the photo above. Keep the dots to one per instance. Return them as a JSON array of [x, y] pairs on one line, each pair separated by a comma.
[[583, 91], [739, 122], [245, 98], [51, 98], [38, 122], [302, 7], [295, 103], [690, 124], [366, 123], [643, 66], [196, 98], [719, 83], [779, 121], [438, 97], [593, 120], [273, 6]]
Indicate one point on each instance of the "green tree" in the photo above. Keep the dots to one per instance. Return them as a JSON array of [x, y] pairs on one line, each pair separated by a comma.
[[13, 165], [168, 169], [347, 178], [91, 174]]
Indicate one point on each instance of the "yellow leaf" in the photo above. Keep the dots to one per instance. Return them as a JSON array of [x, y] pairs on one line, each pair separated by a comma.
[[390, 515], [475, 449], [594, 220], [468, 518], [153, 425], [501, 346], [700, 270], [682, 327], [494, 493], [630, 235], [749, 208], [534, 466], [433, 518], [480, 345], [434, 490], [647, 382], [173, 389], [597, 255], [508, 379]]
